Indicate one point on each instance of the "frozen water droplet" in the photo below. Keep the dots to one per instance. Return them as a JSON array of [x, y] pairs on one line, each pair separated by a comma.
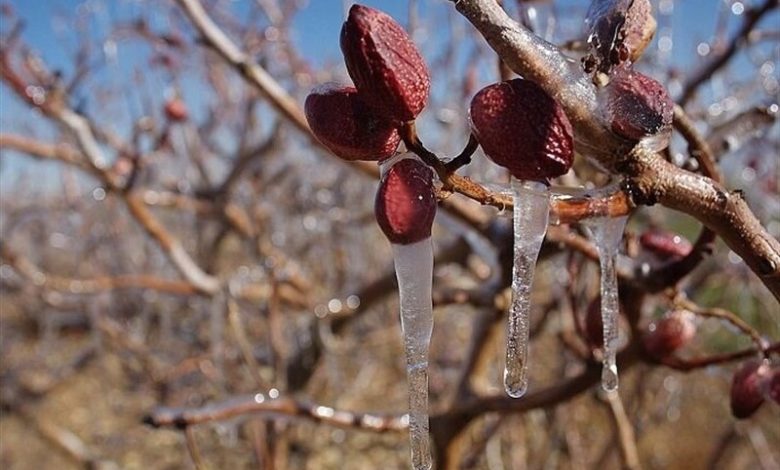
[[531, 214], [607, 233], [414, 270]]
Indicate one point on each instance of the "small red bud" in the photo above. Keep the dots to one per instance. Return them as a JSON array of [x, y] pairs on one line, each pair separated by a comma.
[[746, 396], [342, 121], [666, 245], [637, 105], [176, 110], [405, 202], [384, 63], [523, 129], [669, 334]]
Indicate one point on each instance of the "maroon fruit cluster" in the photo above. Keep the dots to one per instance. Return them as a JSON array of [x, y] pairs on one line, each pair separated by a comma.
[[391, 88], [405, 202], [523, 129]]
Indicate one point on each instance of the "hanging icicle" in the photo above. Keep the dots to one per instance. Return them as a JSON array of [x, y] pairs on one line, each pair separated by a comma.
[[523, 129], [531, 213], [405, 208], [607, 232]]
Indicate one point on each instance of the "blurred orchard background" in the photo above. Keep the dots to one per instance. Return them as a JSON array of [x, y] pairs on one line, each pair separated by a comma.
[[172, 239]]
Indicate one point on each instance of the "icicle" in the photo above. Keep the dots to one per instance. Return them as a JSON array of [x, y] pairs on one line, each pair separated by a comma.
[[531, 213], [414, 270], [607, 233]]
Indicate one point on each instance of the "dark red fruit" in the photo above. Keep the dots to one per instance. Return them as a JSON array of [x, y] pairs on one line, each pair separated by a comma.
[[638, 106], [342, 121], [666, 245], [746, 396], [176, 110], [669, 334], [384, 63], [405, 202], [523, 129], [594, 326]]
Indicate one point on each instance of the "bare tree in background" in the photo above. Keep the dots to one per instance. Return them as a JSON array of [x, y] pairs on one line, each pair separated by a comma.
[[203, 285]]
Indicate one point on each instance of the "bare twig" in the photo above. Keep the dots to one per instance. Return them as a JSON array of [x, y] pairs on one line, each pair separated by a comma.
[[282, 406], [687, 365], [625, 432], [723, 314], [717, 61]]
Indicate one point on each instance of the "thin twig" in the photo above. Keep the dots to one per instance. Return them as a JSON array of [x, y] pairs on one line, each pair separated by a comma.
[[282, 406], [730, 317], [717, 61], [625, 432]]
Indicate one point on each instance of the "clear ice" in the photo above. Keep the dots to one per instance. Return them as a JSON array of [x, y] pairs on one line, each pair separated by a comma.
[[414, 270], [531, 214], [607, 233]]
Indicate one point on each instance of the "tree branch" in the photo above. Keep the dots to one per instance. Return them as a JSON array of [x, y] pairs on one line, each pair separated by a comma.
[[652, 179]]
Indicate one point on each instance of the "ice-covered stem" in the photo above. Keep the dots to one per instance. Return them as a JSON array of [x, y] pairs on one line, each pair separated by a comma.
[[651, 178]]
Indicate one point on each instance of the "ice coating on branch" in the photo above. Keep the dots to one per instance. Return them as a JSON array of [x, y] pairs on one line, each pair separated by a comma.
[[531, 214], [523, 129], [345, 124], [384, 63], [607, 232]]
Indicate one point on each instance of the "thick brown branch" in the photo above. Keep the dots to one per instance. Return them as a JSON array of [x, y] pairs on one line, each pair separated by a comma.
[[653, 179]]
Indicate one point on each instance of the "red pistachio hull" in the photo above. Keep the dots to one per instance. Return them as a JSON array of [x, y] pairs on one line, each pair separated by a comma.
[[669, 334], [746, 393], [523, 129], [384, 63], [342, 121], [405, 203], [638, 106]]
